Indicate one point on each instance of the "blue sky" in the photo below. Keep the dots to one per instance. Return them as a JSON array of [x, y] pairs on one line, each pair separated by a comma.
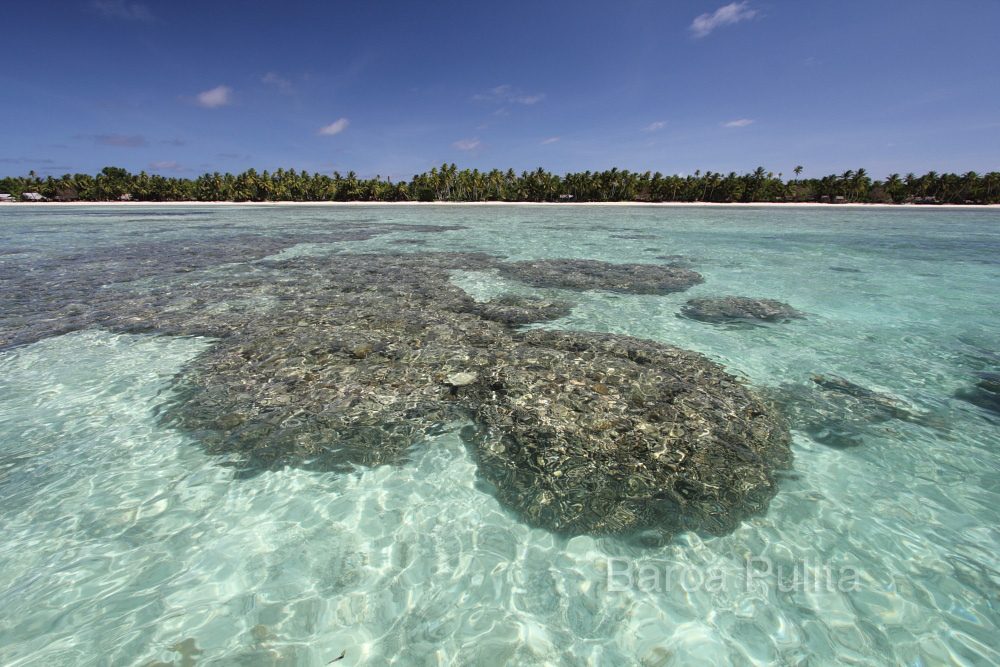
[[393, 88]]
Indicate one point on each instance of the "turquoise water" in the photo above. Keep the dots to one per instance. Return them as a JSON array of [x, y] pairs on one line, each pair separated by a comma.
[[123, 542]]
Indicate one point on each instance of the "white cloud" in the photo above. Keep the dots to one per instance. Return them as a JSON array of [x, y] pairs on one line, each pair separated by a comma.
[[219, 96], [657, 125], [119, 9], [550, 140], [467, 144], [279, 82], [734, 12], [507, 94], [336, 127], [739, 122]]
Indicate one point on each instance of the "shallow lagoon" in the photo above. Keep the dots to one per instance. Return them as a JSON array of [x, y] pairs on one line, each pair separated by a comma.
[[125, 543]]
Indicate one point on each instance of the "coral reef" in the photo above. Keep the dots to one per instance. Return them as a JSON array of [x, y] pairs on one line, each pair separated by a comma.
[[738, 309], [339, 360]]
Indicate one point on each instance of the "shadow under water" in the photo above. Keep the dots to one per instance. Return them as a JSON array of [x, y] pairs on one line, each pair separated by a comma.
[[841, 414]]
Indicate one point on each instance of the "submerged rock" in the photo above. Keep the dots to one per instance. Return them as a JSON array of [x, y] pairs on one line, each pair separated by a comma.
[[842, 414], [595, 433], [636, 435], [989, 381], [673, 260], [461, 379], [349, 367], [516, 309], [42, 297], [330, 362], [738, 309], [985, 393], [588, 274], [637, 236]]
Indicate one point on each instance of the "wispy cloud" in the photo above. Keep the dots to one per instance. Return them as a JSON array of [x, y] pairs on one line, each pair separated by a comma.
[[529, 99], [277, 81], [467, 144], [739, 122], [336, 127], [25, 160], [216, 97], [550, 140], [38, 165], [165, 165], [734, 12], [174, 142], [120, 9], [507, 94], [654, 126], [120, 140]]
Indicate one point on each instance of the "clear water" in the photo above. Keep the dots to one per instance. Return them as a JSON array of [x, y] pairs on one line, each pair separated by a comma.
[[122, 542]]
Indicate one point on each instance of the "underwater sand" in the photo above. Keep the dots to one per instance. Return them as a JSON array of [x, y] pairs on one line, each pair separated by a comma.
[[124, 543]]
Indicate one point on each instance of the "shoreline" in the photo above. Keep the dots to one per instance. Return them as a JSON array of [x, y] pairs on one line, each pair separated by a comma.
[[349, 204]]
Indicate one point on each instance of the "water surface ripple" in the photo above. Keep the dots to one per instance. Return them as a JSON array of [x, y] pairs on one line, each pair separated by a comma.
[[125, 543]]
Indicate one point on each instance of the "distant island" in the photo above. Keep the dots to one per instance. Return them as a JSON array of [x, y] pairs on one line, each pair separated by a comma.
[[450, 184]]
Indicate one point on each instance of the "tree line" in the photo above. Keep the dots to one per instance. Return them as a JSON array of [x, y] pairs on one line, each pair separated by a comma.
[[448, 183]]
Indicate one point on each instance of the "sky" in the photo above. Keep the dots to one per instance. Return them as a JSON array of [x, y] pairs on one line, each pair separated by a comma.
[[388, 88]]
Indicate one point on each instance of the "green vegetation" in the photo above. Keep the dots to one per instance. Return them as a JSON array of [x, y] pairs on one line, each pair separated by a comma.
[[447, 183]]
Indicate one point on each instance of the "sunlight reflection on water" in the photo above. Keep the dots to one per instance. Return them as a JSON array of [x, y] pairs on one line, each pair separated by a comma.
[[125, 544]]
